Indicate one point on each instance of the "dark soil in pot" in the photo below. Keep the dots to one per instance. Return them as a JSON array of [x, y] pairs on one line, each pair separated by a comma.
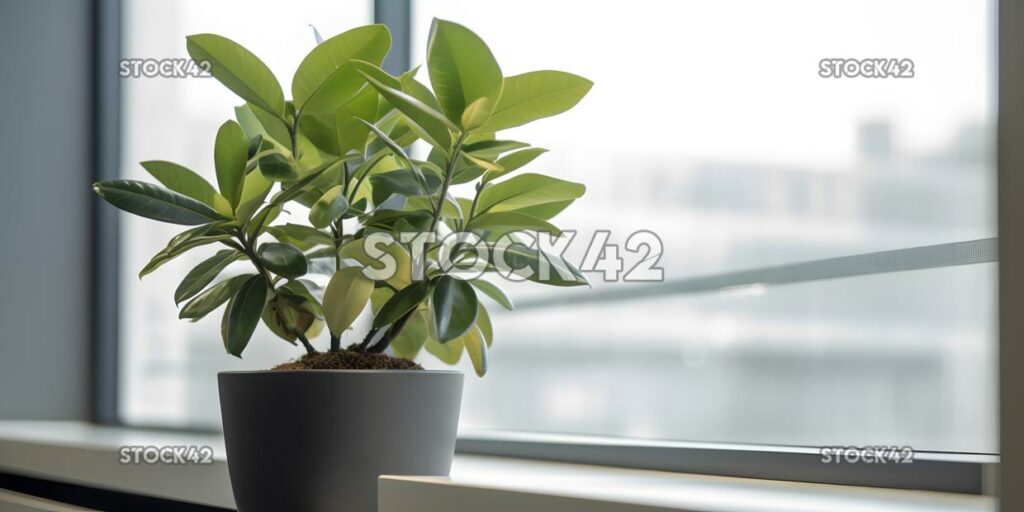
[[352, 358]]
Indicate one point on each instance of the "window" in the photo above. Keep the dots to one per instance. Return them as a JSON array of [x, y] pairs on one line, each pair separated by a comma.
[[709, 126]]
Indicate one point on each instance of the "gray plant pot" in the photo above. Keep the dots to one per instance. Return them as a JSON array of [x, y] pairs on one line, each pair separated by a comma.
[[316, 440]]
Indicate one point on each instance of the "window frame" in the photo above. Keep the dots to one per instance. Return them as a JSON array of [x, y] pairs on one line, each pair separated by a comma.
[[971, 473]]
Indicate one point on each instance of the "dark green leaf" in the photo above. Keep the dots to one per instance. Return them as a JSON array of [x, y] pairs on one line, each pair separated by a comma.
[[454, 307], [303, 237], [243, 314], [537, 266], [187, 183], [283, 259], [277, 167], [211, 298], [155, 202], [204, 274], [401, 303]]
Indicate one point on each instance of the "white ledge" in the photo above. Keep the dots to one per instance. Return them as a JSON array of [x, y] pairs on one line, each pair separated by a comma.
[[86, 454]]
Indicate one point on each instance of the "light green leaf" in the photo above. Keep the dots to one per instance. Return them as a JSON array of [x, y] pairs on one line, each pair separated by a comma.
[[243, 314], [454, 307], [256, 121], [483, 164], [527, 190], [239, 70], [514, 161], [204, 274], [483, 322], [303, 237], [254, 191], [410, 341], [230, 154], [462, 71], [185, 241], [449, 353], [356, 250], [431, 123], [211, 298], [345, 297], [323, 81], [157, 203], [187, 183], [476, 347], [328, 208], [491, 290], [283, 259], [499, 223], [535, 95]]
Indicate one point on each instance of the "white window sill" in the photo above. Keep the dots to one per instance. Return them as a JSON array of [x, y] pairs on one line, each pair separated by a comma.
[[85, 454]]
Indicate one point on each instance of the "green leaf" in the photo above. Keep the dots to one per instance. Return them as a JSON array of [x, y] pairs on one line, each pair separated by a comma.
[[462, 71], [328, 208], [345, 297], [454, 307], [410, 341], [283, 259], [254, 191], [230, 154], [476, 347], [546, 211], [157, 203], [243, 314], [256, 121], [204, 274], [303, 237], [239, 70], [535, 95], [491, 290], [277, 167], [491, 149], [339, 131], [449, 353], [211, 299], [402, 182], [483, 322], [185, 241], [499, 223], [356, 250], [401, 303], [298, 188], [431, 123], [483, 164], [323, 81], [187, 183], [527, 190], [513, 161], [538, 266]]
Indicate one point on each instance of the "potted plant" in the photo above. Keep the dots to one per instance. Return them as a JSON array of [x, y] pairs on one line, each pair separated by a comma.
[[315, 433]]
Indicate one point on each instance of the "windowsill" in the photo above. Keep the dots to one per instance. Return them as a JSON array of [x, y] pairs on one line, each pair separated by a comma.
[[85, 454]]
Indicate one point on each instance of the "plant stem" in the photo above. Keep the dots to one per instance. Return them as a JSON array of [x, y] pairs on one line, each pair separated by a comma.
[[305, 343], [392, 333], [448, 172], [335, 343]]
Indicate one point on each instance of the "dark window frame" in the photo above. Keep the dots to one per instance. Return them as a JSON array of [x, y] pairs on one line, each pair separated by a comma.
[[937, 471]]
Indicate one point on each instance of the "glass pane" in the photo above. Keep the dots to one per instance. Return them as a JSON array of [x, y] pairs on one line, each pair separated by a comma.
[[169, 367], [709, 125]]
